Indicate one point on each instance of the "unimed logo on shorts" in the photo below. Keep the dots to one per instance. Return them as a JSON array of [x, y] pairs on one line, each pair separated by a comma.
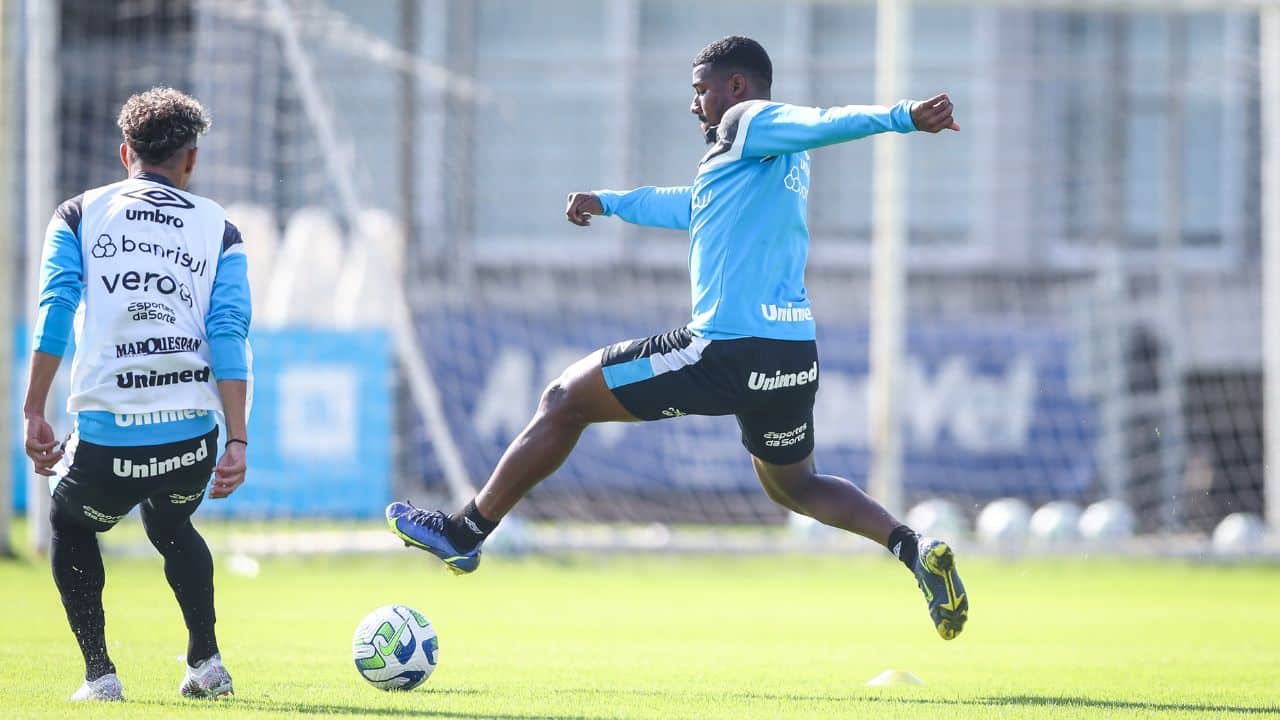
[[779, 379], [124, 467]]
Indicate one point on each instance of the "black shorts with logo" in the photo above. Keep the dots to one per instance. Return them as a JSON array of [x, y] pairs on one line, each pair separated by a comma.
[[101, 484], [769, 385]]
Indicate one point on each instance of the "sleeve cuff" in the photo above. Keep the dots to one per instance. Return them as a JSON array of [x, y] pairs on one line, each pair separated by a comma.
[[53, 330], [900, 116], [230, 360], [608, 200]]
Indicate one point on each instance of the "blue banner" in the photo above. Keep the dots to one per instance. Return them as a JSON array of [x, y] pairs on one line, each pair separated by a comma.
[[319, 429], [988, 408]]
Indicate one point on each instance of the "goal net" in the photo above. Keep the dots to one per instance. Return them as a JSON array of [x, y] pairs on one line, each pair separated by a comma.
[[1083, 286]]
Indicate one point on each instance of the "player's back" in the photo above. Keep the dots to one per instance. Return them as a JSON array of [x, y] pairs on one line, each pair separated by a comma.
[[149, 253]]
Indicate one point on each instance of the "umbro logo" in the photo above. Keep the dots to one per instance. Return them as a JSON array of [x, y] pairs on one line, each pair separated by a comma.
[[472, 525], [160, 197]]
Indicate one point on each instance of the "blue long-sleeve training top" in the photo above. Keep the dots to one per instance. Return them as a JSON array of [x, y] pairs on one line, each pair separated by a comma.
[[746, 213]]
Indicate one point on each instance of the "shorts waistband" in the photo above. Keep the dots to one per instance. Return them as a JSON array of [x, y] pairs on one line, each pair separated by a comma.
[[153, 428]]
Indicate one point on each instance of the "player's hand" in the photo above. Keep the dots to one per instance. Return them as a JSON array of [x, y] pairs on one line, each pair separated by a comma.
[[934, 115], [228, 474], [41, 446], [582, 205]]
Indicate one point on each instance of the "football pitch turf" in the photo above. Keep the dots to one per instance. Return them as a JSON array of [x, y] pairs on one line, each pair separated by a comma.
[[678, 637]]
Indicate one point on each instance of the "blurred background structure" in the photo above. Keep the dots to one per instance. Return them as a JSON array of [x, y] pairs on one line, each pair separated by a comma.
[[1066, 297]]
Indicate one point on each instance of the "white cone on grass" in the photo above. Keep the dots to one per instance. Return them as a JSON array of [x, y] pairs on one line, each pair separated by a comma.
[[894, 678]]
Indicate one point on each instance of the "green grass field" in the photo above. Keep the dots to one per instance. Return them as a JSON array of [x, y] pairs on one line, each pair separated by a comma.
[[651, 637]]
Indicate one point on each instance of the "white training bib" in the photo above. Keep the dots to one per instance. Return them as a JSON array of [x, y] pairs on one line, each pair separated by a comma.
[[150, 254]]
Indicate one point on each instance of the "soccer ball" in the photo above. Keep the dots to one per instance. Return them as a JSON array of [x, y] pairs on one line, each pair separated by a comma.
[[1004, 523], [395, 648], [1238, 533], [1107, 520], [1055, 523], [937, 518]]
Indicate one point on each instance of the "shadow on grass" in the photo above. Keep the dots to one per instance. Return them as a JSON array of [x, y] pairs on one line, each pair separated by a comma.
[[1088, 702], [312, 708], [266, 705], [988, 701]]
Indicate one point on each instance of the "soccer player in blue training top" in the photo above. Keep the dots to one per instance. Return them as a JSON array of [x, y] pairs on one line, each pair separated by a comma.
[[749, 350], [160, 347]]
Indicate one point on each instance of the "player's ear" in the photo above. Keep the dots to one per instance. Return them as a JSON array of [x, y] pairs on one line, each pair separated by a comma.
[[124, 155]]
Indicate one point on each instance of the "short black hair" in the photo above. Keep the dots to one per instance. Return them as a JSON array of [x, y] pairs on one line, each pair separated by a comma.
[[738, 53], [157, 123]]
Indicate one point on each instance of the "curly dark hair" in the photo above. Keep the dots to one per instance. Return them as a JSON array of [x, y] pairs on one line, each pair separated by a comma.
[[740, 54], [159, 122]]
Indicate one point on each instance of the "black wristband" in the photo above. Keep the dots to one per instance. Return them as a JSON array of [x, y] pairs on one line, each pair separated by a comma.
[[242, 442]]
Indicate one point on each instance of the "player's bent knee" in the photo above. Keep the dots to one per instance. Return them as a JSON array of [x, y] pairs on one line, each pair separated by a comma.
[[790, 489], [560, 403], [555, 399], [778, 496]]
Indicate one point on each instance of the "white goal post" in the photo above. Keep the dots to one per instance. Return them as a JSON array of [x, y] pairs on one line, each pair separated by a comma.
[[8, 259], [1269, 40], [40, 145]]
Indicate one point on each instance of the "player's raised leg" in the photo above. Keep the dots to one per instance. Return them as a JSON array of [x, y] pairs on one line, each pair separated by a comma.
[[837, 502], [576, 399]]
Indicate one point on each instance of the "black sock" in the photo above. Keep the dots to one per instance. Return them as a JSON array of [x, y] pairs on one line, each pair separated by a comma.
[[188, 566], [469, 528], [903, 544], [78, 573]]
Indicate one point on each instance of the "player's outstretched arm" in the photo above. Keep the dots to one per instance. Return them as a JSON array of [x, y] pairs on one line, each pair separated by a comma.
[[664, 207], [778, 129]]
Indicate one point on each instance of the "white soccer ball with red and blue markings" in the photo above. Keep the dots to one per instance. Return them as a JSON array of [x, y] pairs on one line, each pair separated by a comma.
[[395, 648]]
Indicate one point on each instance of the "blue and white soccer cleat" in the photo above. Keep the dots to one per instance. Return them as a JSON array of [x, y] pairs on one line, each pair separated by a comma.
[[936, 575], [425, 530]]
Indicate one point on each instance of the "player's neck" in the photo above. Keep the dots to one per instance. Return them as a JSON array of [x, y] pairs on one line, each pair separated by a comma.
[[155, 173]]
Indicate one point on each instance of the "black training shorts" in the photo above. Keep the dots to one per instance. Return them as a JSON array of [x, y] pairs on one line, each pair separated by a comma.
[[99, 485], [769, 385]]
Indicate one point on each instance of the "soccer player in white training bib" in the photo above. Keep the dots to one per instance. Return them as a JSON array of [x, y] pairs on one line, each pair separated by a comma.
[[160, 346], [749, 350]]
